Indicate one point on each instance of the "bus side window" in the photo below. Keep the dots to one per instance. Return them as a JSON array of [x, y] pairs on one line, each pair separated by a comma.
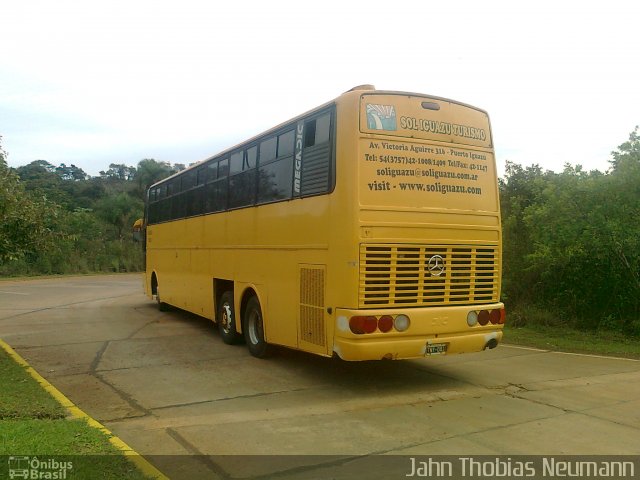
[[250, 157], [242, 185], [223, 169], [323, 124], [276, 168], [268, 150], [274, 181], [222, 185], [236, 162], [316, 132], [201, 176], [164, 204], [285, 144]]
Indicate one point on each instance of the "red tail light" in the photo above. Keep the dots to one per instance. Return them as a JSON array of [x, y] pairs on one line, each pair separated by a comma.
[[385, 324], [356, 324], [494, 316], [483, 317], [370, 324], [360, 325]]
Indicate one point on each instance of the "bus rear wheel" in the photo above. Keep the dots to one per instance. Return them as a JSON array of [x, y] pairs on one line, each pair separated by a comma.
[[226, 319], [254, 329]]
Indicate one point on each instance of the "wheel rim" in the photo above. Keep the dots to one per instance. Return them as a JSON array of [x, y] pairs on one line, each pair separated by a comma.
[[226, 318], [255, 327]]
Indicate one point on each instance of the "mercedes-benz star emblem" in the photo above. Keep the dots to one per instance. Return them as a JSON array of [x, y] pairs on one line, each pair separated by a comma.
[[436, 266]]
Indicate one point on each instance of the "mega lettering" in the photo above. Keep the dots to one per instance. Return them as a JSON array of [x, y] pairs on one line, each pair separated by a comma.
[[297, 169]]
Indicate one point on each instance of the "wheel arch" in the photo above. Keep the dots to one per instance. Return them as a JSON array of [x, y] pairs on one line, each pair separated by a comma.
[[154, 283]]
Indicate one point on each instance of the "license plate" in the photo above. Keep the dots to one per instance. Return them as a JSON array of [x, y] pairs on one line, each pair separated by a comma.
[[436, 348]]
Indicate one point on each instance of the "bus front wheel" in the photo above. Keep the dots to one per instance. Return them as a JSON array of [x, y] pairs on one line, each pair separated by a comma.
[[254, 329], [227, 319]]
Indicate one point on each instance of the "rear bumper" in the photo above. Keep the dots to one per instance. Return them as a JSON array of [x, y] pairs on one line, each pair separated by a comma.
[[429, 328], [375, 349]]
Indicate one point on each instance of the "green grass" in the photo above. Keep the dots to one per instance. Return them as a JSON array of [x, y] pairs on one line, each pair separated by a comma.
[[566, 339], [32, 423], [22, 396]]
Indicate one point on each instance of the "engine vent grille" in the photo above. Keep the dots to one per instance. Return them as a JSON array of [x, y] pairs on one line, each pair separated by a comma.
[[428, 275], [312, 328]]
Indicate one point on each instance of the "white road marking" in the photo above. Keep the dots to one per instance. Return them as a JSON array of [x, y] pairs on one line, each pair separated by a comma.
[[569, 353]]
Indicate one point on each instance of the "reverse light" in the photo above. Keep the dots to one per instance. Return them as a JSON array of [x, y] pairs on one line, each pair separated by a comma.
[[401, 323], [472, 318]]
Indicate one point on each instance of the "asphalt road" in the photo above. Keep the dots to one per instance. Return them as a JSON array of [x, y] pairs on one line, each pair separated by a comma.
[[167, 385]]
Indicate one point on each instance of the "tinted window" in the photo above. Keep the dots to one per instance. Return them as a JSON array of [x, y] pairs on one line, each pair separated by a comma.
[[310, 133], [322, 129], [188, 180], [316, 131], [275, 181], [285, 144], [250, 157], [201, 175], [196, 206], [164, 211], [216, 196], [236, 162], [242, 188], [212, 171], [261, 173], [223, 168], [268, 149]]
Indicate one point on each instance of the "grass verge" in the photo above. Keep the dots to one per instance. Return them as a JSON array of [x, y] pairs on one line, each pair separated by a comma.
[[566, 339], [33, 424]]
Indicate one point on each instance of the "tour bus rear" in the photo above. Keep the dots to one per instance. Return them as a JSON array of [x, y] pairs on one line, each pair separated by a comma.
[[429, 231]]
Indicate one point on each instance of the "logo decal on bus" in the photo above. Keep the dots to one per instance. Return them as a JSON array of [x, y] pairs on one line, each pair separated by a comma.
[[436, 265], [381, 117], [297, 172]]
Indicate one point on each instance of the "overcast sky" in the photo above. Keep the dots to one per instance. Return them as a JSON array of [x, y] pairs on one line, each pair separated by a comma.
[[94, 83]]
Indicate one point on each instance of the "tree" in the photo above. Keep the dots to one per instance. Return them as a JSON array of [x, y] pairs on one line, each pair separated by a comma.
[[119, 171], [572, 241], [26, 223], [120, 211], [41, 179], [627, 157], [71, 172], [150, 171]]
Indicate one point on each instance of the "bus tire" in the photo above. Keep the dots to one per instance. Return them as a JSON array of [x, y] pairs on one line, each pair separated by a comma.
[[226, 319], [163, 307], [254, 329]]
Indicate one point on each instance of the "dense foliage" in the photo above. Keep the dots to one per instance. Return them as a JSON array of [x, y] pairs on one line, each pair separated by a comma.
[[57, 220], [572, 243], [571, 239]]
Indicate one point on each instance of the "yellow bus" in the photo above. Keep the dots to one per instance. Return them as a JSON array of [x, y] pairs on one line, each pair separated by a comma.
[[367, 228]]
